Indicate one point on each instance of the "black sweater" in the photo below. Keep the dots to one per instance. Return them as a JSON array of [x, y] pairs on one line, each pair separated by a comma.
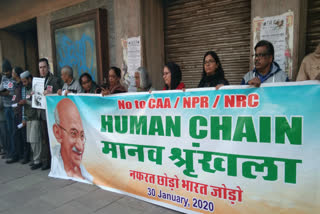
[[212, 81]]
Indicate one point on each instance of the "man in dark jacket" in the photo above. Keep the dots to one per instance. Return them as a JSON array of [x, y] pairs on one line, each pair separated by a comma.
[[51, 85]]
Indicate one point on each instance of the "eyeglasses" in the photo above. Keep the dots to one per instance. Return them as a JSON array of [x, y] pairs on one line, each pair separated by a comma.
[[74, 133], [260, 55], [209, 62], [166, 73]]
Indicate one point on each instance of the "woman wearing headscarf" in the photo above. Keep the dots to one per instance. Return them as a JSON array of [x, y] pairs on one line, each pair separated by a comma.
[[172, 77], [212, 74]]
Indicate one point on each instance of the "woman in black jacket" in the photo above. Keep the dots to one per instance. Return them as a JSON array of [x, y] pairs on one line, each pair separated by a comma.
[[213, 74]]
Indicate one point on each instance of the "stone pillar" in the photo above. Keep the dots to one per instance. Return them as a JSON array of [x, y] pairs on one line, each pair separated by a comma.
[[153, 40], [44, 38]]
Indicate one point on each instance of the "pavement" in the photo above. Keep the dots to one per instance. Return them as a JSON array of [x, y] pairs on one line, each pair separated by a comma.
[[23, 191]]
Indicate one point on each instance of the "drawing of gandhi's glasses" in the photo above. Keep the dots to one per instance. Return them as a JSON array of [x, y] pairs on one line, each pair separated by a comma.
[[74, 133]]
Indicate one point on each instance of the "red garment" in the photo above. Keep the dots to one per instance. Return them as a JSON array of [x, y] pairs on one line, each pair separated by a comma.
[[180, 86]]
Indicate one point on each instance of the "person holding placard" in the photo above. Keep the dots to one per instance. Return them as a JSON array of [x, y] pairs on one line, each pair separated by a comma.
[[51, 85], [31, 121]]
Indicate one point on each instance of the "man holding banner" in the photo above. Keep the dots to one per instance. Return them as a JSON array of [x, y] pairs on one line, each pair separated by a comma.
[[266, 69], [69, 133], [51, 85]]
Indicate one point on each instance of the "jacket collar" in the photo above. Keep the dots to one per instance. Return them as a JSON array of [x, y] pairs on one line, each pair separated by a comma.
[[274, 68]]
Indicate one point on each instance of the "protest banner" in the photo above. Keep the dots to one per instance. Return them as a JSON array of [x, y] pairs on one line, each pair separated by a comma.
[[235, 150]]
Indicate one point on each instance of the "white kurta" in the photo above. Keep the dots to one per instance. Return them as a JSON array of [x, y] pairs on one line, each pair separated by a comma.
[[58, 171]]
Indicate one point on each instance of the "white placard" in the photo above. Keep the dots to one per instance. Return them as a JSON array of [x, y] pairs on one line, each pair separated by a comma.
[[279, 31], [20, 126], [273, 29], [134, 59], [38, 99]]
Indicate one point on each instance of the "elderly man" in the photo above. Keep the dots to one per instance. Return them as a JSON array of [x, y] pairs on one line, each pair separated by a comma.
[[266, 69], [68, 131], [51, 85], [31, 120], [70, 84]]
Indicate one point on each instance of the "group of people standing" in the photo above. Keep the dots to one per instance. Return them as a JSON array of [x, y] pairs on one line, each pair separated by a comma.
[[266, 70], [23, 129], [24, 133]]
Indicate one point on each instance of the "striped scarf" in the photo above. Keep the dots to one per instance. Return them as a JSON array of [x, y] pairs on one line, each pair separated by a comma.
[[23, 97]]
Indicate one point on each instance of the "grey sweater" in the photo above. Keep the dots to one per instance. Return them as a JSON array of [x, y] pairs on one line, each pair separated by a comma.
[[73, 87], [275, 75]]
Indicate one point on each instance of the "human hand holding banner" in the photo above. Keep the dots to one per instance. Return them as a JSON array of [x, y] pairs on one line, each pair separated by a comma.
[[235, 150]]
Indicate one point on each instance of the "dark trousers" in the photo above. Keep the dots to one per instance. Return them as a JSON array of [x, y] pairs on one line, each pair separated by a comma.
[[22, 148], [8, 111], [26, 151], [3, 136], [45, 149]]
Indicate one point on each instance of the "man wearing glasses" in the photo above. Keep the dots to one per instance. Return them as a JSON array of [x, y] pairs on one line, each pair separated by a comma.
[[68, 131], [266, 69]]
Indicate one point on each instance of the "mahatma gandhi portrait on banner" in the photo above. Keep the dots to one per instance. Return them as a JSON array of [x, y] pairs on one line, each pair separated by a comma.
[[70, 135]]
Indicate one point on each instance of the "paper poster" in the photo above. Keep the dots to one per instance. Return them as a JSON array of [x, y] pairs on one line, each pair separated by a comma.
[[38, 99], [125, 79], [273, 29], [134, 59], [279, 31]]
